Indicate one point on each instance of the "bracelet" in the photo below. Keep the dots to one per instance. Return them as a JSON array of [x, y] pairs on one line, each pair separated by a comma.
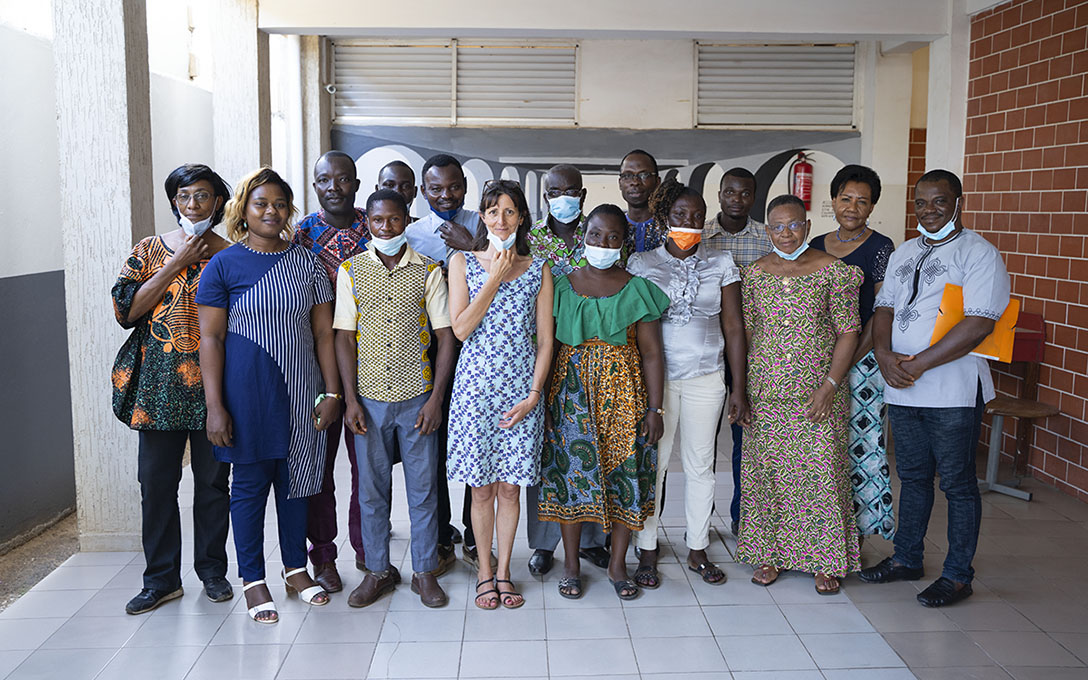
[[832, 381], [538, 392], [658, 411], [327, 395]]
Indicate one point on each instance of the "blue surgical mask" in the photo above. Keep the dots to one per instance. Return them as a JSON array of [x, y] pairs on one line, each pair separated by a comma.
[[445, 214], [791, 256], [944, 231], [602, 258], [389, 246], [565, 208], [195, 228], [501, 244]]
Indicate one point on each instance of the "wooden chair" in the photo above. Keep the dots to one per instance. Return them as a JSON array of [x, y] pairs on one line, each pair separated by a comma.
[[1027, 352]]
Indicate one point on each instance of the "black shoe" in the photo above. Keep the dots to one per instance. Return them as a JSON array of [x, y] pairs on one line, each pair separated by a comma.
[[597, 556], [218, 589], [541, 562], [734, 528], [887, 571], [455, 534], [150, 598], [943, 592]]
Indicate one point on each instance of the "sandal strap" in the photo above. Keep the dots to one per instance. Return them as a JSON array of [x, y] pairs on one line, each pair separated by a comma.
[[289, 574], [307, 595], [253, 584], [262, 607]]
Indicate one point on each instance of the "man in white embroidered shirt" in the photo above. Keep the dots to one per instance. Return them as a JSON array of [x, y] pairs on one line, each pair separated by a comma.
[[936, 393]]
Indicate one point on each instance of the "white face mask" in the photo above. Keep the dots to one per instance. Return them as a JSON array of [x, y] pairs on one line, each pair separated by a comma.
[[502, 244], [389, 246], [196, 228], [791, 256], [944, 231], [602, 258]]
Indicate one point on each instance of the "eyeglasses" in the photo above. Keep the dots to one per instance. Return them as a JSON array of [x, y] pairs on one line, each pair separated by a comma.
[[200, 197], [556, 193], [641, 176], [793, 226]]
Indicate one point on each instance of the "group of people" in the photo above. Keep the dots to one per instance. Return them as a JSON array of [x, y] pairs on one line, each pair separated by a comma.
[[570, 357]]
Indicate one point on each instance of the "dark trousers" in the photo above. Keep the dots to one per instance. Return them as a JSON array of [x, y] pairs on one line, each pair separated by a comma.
[[321, 522], [390, 426], [734, 505], [248, 499], [159, 471], [930, 441], [445, 512]]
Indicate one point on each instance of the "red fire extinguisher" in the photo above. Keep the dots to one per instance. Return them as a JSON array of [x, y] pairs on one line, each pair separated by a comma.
[[800, 175]]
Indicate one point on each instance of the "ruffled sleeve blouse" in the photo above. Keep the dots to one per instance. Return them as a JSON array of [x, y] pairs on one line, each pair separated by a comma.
[[579, 318]]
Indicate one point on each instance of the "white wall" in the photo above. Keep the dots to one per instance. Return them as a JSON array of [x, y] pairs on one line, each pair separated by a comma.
[[29, 179], [736, 19], [181, 132], [638, 84]]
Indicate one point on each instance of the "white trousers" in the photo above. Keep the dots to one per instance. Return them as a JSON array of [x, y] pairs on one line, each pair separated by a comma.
[[693, 407]]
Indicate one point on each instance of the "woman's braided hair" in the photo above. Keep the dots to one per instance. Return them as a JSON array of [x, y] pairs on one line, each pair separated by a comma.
[[663, 198]]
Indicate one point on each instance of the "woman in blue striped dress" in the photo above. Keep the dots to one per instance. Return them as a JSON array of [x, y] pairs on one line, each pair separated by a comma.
[[270, 380]]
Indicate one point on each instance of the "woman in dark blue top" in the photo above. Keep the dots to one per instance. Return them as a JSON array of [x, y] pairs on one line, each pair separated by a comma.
[[854, 193], [265, 308]]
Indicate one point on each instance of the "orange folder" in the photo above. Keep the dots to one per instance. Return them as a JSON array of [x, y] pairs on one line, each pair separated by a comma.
[[996, 345]]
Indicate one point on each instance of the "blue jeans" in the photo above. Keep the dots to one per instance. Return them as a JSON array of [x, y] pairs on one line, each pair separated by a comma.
[[390, 423], [943, 441], [248, 499]]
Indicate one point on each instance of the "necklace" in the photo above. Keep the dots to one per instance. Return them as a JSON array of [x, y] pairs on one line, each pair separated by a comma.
[[849, 240]]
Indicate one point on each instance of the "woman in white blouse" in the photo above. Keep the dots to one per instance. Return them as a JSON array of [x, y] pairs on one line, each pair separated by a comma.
[[703, 318]]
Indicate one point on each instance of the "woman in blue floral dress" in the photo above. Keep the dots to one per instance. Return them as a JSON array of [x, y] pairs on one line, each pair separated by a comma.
[[500, 302]]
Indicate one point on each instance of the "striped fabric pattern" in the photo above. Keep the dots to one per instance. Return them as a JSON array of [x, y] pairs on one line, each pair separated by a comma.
[[275, 315]]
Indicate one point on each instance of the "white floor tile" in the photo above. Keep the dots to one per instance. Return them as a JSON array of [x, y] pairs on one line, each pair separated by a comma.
[[93, 632], [679, 655], [826, 618], [590, 657], [425, 626], [341, 627], [239, 629], [415, 660], [340, 661], [45, 604], [66, 664], [586, 624], [757, 619], [166, 631], [28, 634], [666, 622], [11, 658], [239, 662], [851, 650], [160, 663], [504, 659], [765, 653], [504, 624]]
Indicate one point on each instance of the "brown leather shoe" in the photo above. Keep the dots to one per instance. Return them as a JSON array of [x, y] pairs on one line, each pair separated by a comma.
[[430, 593], [446, 559], [374, 585], [327, 577]]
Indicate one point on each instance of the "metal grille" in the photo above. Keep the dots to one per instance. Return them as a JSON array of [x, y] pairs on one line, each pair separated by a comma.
[[450, 83], [794, 85], [524, 84], [410, 82]]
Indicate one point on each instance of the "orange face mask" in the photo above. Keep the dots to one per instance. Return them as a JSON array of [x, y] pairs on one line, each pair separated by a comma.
[[686, 239]]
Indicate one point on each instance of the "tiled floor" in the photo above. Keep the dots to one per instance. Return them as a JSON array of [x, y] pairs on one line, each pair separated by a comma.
[[1027, 620]]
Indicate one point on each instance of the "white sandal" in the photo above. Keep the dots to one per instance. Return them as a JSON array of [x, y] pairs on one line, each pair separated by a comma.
[[269, 606], [307, 595]]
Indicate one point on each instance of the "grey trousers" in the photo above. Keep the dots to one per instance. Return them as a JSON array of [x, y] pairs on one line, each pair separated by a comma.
[[387, 422]]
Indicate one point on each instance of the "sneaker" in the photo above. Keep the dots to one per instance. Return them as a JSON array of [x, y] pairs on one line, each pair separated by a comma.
[[149, 598], [218, 589]]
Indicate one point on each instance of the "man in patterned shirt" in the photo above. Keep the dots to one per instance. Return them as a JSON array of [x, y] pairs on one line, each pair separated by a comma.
[[335, 233], [734, 230], [557, 238], [394, 391], [638, 179]]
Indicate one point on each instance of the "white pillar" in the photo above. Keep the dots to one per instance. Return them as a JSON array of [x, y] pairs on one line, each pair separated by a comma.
[[106, 197], [946, 115], [241, 108], [885, 140], [316, 116]]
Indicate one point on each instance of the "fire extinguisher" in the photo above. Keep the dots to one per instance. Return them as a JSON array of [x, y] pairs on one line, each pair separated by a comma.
[[800, 175]]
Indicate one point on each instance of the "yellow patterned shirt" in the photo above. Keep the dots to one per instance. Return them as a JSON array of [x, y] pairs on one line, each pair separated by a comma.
[[393, 313]]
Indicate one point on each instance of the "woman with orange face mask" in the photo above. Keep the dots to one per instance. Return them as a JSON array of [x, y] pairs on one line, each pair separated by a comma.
[[701, 329]]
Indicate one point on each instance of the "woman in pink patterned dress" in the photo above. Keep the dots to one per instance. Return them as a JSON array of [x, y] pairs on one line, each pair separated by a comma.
[[801, 317]]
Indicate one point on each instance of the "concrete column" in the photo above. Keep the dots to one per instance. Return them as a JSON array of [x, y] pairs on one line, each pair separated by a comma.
[[106, 197], [316, 115], [885, 141], [241, 108], [947, 111]]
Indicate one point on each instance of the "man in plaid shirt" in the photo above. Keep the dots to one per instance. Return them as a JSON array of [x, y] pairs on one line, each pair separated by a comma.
[[734, 230]]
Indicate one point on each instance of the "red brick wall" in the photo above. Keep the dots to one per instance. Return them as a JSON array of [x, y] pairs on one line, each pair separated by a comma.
[[916, 167], [1026, 180]]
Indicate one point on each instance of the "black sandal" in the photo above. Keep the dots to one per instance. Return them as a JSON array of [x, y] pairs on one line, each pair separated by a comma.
[[487, 592], [630, 586], [573, 586], [707, 571], [646, 576], [503, 594]]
